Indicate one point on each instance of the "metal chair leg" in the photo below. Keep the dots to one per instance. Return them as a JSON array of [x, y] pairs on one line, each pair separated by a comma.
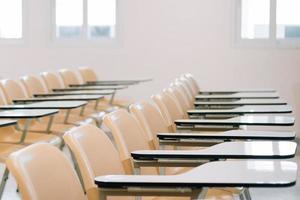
[[247, 194], [3, 181]]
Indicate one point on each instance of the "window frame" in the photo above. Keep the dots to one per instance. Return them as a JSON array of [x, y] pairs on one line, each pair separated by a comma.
[[18, 41], [272, 41], [83, 39]]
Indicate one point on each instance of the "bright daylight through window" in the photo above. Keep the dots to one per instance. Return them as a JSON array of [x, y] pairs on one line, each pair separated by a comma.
[[85, 19]]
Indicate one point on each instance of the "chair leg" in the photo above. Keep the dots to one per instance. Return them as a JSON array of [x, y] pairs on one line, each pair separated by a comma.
[[199, 194], [247, 194], [3, 181]]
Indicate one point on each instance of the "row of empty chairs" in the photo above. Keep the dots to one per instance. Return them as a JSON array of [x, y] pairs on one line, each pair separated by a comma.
[[39, 119], [134, 162]]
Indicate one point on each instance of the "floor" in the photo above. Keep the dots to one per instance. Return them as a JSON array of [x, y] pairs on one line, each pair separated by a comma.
[[291, 193]]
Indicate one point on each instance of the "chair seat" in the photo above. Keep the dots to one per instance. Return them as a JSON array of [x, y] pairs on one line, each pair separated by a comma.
[[6, 149]]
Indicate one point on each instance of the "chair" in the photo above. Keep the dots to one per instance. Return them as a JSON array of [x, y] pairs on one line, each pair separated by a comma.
[[11, 135], [151, 120], [89, 75], [5, 151], [13, 90], [169, 107], [52, 81], [90, 148], [43, 172], [128, 136], [90, 145], [34, 86]]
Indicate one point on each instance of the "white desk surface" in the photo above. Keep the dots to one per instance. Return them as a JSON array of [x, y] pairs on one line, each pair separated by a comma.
[[47, 105], [79, 92], [233, 134], [4, 123], [236, 91], [214, 174], [242, 102], [27, 113], [62, 98], [122, 81], [100, 87], [242, 120], [240, 95], [226, 150], [245, 110]]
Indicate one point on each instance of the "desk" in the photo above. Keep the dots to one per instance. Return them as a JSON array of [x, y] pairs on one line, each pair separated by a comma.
[[239, 121], [259, 95], [268, 109], [93, 87], [230, 135], [29, 114], [117, 82], [46, 105], [236, 91], [77, 92], [240, 102], [212, 174], [225, 150], [61, 98], [66, 105], [4, 123]]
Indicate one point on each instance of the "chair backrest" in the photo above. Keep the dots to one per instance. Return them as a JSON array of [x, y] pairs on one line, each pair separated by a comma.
[[189, 85], [169, 107], [52, 81], [69, 77], [33, 85], [43, 172], [193, 81], [180, 99], [186, 90], [3, 100], [87, 74], [12, 90], [150, 119], [128, 135], [189, 99], [94, 153]]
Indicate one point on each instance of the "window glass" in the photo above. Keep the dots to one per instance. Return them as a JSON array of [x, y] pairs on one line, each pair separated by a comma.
[[288, 19], [69, 18], [255, 19], [101, 18]]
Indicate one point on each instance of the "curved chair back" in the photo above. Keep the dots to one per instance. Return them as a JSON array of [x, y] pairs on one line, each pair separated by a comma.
[[188, 85], [193, 81], [183, 87], [69, 77], [12, 90], [189, 99], [128, 135], [52, 81], [180, 99], [43, 172], [33, 85], [94, 153], [150, 119], [169, 107], [87, 74]]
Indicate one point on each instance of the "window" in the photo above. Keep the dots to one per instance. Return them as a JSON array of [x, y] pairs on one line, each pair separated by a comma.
[[11, 19], [85, 19], [273, 22]]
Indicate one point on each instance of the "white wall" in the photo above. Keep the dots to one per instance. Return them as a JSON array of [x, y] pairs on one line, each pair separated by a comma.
[[161, 39]]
